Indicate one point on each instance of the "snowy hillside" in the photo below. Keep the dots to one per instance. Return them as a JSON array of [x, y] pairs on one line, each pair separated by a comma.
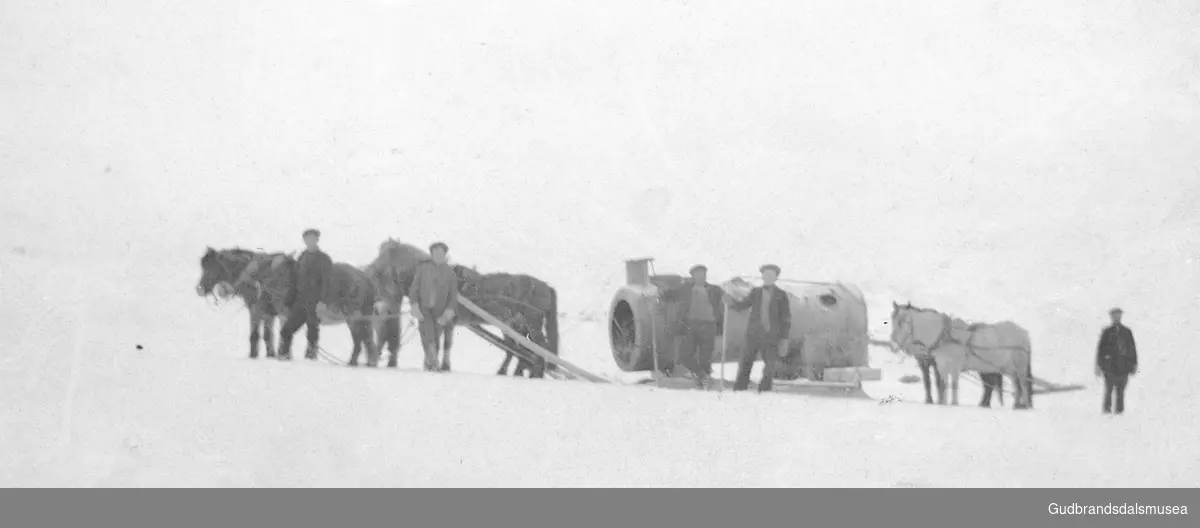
[[993, 160]]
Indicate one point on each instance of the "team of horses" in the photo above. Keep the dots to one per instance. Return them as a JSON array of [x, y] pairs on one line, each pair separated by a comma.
[[949, 346], [369, 301]]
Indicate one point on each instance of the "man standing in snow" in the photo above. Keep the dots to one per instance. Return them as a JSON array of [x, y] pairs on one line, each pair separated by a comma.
[[700, 321], [311, 284], [433, 297], [770, 324], [1116, 360]]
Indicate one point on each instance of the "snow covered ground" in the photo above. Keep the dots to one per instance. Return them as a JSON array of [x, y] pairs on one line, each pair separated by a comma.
[[998, 161]]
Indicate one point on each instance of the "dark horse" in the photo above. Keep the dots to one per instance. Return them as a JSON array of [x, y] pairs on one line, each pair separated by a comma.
[[223, 268], [393, 272], [349, 299], [526, 304]]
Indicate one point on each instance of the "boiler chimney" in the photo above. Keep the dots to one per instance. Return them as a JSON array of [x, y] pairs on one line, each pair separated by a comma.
[[637, 271]]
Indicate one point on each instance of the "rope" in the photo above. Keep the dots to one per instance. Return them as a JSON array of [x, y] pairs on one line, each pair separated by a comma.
[[330, 357]]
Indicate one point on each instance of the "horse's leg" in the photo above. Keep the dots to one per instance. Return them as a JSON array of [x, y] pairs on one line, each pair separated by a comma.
[[1029, 380], [391, 330], [379, 333], [447, 343], [523, 365], [954, 375], [1022, 385], [942, 367], [255, 320], [354, 337], [1016, 378], [1027, 389], [364, 336], [924, 364], [268, 334], [538, 370]]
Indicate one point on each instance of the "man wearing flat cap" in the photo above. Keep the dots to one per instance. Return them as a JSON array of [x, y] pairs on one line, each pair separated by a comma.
[[699, 320], [770, 324], [1116, 360], [433, 298], [313, 269]]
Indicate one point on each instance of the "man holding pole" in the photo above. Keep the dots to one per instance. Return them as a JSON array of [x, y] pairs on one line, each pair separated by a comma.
[[770, 324], [699, 320]]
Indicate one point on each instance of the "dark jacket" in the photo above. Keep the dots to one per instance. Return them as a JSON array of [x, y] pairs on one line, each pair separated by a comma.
[[1117, 352], [682, 294], [780, 315], [434, 287], [313, 269]]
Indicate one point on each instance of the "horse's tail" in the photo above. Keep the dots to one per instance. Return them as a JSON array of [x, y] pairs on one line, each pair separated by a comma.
[[552, 325]]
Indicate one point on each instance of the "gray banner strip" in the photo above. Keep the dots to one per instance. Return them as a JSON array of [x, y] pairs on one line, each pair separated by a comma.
[[854, 508]]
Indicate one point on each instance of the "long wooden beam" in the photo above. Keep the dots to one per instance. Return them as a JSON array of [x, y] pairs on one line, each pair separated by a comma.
[[521, 354], [534, 347]]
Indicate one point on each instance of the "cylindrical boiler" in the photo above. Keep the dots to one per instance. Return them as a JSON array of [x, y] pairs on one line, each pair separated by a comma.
[[829, 325]]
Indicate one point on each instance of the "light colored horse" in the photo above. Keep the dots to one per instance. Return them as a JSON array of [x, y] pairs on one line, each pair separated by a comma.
[[1002, 348]]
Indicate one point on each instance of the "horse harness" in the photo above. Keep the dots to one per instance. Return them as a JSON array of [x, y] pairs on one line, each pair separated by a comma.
[[945, 336]]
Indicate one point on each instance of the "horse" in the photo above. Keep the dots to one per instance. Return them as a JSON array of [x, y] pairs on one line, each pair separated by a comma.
[[393, 271], [526, 304], [990, 380], [350, 297], [219, 269], [999, 348]]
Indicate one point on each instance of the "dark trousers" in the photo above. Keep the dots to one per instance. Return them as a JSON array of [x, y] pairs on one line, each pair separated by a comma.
[[696, 347], [757, 344], [1115, 383], [431, 336], [302, 313]]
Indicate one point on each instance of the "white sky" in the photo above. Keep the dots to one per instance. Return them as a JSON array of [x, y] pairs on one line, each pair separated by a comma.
[[991, 158]]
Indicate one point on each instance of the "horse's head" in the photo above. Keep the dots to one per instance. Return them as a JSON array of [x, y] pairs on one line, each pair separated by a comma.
[[399, 254], [392, 283], [210, 273], [916, 330], [217, 268], [469, 279], [386, 279]]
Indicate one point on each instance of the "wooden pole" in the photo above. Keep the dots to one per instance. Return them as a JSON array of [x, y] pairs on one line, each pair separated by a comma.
[[654, 326], [654, 343], [724, 348], [534, 347]]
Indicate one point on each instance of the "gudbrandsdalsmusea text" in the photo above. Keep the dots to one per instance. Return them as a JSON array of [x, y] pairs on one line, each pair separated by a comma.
[[1115, 509]]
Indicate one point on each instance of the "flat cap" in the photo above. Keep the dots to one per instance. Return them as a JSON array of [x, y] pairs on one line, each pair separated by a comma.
[[698, 267], [312, 231], [766, 267], [439, 245], [1116, 310]]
